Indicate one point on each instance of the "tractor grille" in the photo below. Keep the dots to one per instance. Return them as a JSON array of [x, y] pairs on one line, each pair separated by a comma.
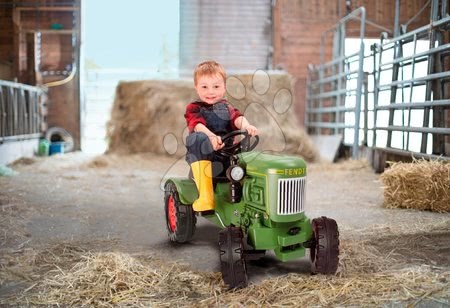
[[291, 196]]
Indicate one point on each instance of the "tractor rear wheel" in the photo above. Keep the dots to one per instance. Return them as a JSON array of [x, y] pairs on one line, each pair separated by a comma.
[[325, 250], [232, 261], [180, 218]]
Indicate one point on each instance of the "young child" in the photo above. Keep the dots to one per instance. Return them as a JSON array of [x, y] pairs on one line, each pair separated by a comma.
[[208, 119]]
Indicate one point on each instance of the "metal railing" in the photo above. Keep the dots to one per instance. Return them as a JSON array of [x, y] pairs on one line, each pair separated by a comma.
[[422, 95], [400, 103], [328, 85], [21, 115]]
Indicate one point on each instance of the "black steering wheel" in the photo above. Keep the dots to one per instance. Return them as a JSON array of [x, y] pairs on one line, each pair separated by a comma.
[[242, 145]]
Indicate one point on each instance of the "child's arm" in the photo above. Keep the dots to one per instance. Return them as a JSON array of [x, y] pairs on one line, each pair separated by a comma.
[[242, 123], [196, 123], [216, 141]]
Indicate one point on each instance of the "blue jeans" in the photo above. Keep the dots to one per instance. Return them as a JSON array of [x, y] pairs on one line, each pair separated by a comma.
[[199, 147]]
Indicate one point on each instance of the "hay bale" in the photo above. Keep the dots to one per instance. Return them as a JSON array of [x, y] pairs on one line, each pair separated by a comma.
[[422, 185], [147, 116]]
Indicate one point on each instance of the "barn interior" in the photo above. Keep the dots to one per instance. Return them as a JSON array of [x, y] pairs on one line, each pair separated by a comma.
[[358, 89]]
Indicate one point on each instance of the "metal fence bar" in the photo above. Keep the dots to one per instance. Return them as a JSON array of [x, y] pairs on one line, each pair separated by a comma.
[[366, 108], [377, 50], [340, 99], [423, 29], [333, 78], [418, 55], [332, 109], [20, 137], [36, 107], [398, 53], [324, 94], [336, 61], [430, 70], [411, 129], [359, 84], [22, 126], [414, 154], [11, 113], [416, 105], [411, 89], [418, 80]]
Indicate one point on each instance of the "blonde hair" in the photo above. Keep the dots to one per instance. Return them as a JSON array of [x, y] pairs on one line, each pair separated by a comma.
[[209, 68]]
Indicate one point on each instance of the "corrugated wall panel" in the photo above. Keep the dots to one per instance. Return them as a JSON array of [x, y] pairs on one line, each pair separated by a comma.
[[235, 33]]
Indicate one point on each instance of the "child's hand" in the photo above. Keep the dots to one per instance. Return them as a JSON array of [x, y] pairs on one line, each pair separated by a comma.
[[253, 131], [216, 142]]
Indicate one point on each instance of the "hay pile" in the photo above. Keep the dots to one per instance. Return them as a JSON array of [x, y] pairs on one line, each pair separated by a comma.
[[14, 215], [369, 275], [147, 116], [108, 279], [377, 290], [422, 185], [69, 275]]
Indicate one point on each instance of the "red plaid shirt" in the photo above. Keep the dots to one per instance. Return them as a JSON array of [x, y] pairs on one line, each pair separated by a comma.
[[193, 115]]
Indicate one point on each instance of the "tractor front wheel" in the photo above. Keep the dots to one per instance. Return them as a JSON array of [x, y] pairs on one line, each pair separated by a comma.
[[180, 218], [325, 250], [232, 261]]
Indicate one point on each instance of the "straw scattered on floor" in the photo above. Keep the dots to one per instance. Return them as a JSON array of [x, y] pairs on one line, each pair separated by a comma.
[[374, 270], [14, 215], [292, 290]]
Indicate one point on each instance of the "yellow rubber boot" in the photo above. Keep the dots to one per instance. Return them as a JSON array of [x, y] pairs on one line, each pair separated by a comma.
[[202, 172]]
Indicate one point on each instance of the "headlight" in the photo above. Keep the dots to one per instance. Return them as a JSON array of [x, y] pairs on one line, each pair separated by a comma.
[[236, 173]]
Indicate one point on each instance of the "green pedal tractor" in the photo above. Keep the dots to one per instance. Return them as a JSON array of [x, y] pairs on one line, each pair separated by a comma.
[[260, 205]]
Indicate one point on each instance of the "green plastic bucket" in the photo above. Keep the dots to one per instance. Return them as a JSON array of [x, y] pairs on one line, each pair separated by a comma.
[[43, 148]]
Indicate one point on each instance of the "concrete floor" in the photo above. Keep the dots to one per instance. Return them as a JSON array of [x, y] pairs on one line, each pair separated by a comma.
[[118, 200]]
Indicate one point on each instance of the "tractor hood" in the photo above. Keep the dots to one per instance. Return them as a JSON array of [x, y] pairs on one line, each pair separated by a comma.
[[273, 164], [275, 183]]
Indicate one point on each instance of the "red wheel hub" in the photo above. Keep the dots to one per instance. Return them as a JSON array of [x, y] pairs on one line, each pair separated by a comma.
[[172, 214]]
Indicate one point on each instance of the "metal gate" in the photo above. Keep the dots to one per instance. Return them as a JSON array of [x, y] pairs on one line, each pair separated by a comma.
[[418, 104], [399, 99], [21, 111], [332, 85]]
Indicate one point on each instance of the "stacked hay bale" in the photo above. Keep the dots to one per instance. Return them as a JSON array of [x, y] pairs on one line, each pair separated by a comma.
[[423, 185], [148, 116]]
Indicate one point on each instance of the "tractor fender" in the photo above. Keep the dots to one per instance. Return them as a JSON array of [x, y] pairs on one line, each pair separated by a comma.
[[187, 191]]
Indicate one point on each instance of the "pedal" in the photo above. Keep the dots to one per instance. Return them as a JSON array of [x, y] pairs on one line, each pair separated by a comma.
[[206, 213]]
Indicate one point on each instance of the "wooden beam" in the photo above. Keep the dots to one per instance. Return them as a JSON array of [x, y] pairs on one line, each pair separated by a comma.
[[49, 8], [49, 31]]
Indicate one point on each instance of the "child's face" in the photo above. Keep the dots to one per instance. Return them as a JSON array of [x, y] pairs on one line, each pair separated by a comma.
[[210, 89]]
